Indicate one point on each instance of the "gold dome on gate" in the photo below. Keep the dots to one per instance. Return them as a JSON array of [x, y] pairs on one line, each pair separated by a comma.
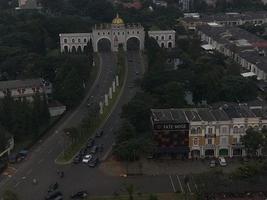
[[118, 20]]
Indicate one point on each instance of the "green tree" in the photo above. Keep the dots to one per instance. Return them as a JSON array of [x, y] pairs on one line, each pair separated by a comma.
[[9, 195], [253, 140]]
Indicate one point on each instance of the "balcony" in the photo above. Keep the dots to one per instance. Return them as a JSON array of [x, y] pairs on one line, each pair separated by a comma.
[[210, 135], [238, 145]]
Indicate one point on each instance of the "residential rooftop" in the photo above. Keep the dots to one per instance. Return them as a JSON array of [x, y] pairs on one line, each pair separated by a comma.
[[223, 113], [27, 83]]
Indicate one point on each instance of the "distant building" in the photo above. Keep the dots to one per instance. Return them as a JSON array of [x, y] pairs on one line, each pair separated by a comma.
[[19, 89], [227, 19], [160, 3], [28, 4], [204, 132], [246, 49], [108, 37], [184, 5]]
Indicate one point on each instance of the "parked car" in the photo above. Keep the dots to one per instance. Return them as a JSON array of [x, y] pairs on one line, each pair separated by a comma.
[[212, 163], [94, 162], [77, 159], [54, 195], [79, 195], [87, 158], [222, 161], [90, 143], [94, 149], [99, 133]]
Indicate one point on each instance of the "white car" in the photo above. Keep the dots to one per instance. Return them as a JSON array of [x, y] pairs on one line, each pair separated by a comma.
[[87, 158], [222, 161]]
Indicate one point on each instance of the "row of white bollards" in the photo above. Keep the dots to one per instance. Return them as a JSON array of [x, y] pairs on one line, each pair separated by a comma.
[[109, 95]]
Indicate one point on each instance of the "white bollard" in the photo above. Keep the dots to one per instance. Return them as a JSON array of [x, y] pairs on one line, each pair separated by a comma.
[[106, 100], [110, 92], [117, 81], [113, 86], [101, 107]]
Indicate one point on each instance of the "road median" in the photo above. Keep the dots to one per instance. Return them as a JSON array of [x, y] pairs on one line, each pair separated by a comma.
[[98, 121]]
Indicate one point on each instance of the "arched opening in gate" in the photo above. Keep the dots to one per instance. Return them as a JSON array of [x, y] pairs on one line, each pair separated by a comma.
[[66, 49], [169, 45], [103, 45], [133, 44], [162, 45], [79, 50], [73, 49]]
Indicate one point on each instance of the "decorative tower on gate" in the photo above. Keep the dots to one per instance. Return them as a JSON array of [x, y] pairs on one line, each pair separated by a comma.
[[118, 32]]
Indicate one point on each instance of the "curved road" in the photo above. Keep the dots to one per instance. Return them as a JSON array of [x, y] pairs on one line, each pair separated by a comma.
[[41, 165]]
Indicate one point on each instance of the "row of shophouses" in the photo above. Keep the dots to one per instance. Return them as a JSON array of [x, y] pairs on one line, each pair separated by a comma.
[[206, 132]]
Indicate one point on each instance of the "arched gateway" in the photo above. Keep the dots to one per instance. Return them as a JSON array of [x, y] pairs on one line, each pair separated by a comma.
[[108, 37]]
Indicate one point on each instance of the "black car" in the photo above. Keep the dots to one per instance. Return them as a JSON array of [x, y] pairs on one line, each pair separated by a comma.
[[94, 162], [79, 195], [77, 159], [90, 143], [99, 133], [54, 195]]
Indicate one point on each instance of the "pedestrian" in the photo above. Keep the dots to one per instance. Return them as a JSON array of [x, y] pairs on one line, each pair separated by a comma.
[[62, 174]]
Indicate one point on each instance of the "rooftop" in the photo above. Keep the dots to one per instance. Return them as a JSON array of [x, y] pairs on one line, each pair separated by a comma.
[[224, 113], [27, 83]]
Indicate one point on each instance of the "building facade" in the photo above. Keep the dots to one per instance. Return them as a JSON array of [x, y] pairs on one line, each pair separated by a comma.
[[210, 132], [111, 36], [19, 89]]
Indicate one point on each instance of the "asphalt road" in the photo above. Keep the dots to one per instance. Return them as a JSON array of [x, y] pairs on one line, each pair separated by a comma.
[[40, 163]]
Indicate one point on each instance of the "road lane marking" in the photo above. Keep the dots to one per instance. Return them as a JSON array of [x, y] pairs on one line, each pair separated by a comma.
[[173, 187], [40, 161], [182, 189]]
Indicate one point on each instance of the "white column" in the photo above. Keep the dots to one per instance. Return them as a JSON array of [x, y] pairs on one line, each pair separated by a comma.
[[101, 107], [110, 92], [113, 86], [106, 100], [117, 81]]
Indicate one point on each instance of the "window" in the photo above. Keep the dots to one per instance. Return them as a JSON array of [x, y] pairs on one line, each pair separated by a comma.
[[210, 130], [118, 33], [224, 129], [79, 40], [224, 141], [241, 129], [122, 33], [157, 37], [195, 142], [73, 40], [162, 37], [137, 32], [209, 141], [65, 40], [235, 129], [128, 32], [84, 40], [103, 33], [108, 33], [170, 37], [193, 131], [199, 130], [98, 33], [132, 32]]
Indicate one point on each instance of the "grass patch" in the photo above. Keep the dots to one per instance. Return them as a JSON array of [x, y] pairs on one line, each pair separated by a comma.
[[95, 122]]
